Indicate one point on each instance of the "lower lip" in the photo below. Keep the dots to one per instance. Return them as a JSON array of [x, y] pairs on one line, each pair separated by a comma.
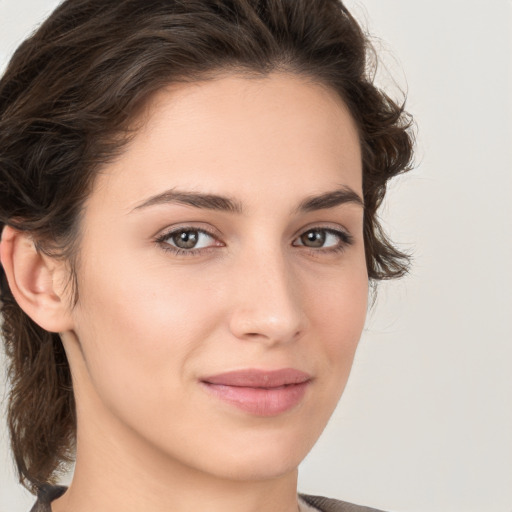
[[261, 401]]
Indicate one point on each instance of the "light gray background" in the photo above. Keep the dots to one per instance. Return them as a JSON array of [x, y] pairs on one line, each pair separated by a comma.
[[425, 423]]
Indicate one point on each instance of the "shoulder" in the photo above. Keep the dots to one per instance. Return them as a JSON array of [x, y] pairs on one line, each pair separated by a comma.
[[331, 505]]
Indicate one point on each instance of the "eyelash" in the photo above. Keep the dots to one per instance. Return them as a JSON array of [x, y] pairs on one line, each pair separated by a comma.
[[346, 240]]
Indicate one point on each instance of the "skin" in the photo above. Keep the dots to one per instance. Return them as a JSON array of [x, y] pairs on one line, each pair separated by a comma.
[[150, 323]]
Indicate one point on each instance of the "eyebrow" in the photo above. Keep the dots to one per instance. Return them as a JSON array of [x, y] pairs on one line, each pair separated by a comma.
[[331, 199], [323, 201], [195, 199]]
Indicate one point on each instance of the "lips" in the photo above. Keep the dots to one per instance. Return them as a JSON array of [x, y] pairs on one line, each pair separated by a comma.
[[260, 392]]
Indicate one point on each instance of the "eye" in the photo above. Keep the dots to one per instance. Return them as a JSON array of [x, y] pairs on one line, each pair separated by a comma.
[[187, 240], [323, 238]]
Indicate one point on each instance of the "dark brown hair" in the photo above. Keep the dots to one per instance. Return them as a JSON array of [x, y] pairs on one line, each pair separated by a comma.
[[66, 99]]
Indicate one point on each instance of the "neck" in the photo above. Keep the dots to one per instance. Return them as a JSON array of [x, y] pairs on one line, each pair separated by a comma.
[[103, 482]]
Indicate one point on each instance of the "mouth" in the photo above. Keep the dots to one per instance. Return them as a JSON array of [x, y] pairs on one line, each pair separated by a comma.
[[260, 392]]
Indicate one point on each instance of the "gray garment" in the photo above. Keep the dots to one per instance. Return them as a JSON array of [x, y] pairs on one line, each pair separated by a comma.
[[49, 493], [330, 505]]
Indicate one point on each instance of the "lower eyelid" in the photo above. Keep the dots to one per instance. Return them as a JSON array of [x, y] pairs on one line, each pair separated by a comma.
[[345, 239]]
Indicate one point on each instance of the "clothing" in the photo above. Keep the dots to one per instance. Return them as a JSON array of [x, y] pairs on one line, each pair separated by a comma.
[[49, 493], [329, 505]]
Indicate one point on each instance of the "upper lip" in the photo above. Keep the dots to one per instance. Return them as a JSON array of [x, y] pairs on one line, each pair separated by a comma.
[[253, 378]]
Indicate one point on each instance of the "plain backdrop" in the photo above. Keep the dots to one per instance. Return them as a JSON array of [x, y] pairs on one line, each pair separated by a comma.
[[425, 423]]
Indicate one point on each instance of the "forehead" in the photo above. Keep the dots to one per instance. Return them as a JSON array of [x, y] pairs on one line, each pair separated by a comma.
[[238, 135]]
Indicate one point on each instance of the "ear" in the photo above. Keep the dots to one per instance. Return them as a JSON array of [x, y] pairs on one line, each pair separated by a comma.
[[36, 281]]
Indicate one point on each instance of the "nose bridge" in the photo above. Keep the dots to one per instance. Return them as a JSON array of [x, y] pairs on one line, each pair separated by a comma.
[[267, 304]]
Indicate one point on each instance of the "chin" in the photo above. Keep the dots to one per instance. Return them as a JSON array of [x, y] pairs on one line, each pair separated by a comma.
[[255, 454], [265, 466], [262, 457]]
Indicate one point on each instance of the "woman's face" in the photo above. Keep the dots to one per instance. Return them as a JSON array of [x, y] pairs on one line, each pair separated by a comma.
[[222, 278]]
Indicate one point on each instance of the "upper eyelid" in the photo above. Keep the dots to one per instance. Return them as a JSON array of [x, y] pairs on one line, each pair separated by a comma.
[[166, 232], [346, 237], [214, 233], [326, 226], [169, 232]]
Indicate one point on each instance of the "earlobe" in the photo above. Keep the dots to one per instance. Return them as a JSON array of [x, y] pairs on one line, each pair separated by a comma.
[[32, 278]]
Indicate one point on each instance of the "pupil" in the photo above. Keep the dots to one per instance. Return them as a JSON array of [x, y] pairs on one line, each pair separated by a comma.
[[314, 238], [186, 239]]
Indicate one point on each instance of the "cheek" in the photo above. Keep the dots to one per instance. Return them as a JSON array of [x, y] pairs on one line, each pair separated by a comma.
[[139, 329], [142, 324], [339, 307], [338, 315]]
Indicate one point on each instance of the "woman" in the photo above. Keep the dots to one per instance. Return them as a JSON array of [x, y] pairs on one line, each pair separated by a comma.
[[188, 201]]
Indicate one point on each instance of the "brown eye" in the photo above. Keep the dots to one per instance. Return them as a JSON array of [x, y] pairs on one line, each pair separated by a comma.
[[323, 238], [185, 239], [314, 238], [188, 239]]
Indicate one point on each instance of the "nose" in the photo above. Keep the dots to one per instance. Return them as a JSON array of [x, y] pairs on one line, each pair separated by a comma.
[[266, 301]]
